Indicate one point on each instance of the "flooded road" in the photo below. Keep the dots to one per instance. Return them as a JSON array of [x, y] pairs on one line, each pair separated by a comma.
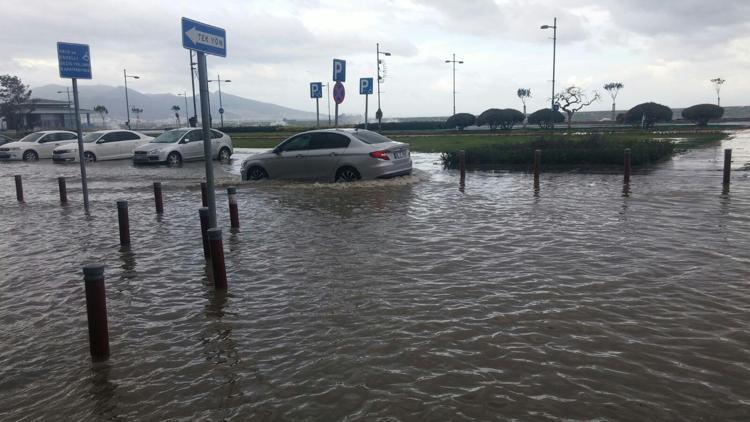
[[388, 300]]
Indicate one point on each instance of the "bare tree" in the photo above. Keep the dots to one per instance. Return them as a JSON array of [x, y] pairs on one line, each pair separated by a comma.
[[524, 94], [613, 88], [573, 99], [718, 82]]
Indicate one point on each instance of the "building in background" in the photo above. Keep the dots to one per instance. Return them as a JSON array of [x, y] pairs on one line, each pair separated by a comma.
[[42, 114]]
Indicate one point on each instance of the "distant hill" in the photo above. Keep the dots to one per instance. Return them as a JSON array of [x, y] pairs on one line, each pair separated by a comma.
[[157, 107]]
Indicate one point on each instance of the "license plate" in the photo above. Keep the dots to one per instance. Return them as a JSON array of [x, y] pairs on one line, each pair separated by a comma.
[[399, 154]]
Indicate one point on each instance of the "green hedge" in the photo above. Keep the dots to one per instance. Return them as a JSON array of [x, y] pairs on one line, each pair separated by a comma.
[[414, 125]]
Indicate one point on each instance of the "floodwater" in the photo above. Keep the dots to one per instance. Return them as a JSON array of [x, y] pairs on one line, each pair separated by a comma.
[[399, 300]]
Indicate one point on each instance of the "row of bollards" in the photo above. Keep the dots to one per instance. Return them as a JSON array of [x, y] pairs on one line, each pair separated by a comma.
[[536, 169]]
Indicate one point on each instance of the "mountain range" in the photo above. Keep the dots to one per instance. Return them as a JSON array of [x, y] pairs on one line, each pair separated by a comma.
[[157, 107]]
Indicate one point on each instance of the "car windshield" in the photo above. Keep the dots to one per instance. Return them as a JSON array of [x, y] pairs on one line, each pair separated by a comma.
[[371, 137], [170, 137], [92, 137], [31, 137]]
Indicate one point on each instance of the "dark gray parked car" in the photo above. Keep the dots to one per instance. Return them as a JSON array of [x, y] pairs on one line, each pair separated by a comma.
[[331, 154]]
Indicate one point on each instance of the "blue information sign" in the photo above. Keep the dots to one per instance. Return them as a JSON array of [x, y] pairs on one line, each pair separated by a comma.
[[74, 60], [339, 70], [205, 38], [316, 90], [365, 86]]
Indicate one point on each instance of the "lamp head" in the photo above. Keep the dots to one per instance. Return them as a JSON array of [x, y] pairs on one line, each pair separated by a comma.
[[387, 54]]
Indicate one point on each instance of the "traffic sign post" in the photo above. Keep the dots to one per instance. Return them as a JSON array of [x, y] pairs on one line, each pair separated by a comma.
[[205, 39], [338, 96], [316, 91], [339, 70], [365, 88], [74, 61]]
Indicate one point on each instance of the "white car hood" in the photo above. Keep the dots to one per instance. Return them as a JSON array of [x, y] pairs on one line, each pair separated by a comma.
[[17, 144], [152, 147]]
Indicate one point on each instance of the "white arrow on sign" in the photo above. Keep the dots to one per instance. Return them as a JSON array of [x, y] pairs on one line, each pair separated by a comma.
[[199, 37]]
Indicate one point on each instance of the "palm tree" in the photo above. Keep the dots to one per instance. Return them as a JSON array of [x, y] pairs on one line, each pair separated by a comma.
[[613, 88], [101, 110], [524, 94], [176, 110], [137, 111]]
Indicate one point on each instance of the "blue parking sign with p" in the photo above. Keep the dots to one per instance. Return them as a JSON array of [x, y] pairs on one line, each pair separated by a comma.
[[316, 90], [365, 86], [339, 70]]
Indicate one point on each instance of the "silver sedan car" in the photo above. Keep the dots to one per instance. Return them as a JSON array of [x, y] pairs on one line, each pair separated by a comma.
[[331, 154]]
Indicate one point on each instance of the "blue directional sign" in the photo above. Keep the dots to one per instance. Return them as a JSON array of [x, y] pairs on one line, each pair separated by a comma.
[[74, 60], [365, 86], [205, 38], [316, 90], [339, 70]]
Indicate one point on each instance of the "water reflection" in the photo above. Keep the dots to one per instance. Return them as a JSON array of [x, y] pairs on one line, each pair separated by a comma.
[[102, 390]]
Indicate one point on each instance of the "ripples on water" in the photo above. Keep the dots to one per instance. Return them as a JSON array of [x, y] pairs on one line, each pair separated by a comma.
[[386, 300]]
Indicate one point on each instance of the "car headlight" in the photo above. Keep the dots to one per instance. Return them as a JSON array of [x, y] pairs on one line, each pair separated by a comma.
[[153, 152]]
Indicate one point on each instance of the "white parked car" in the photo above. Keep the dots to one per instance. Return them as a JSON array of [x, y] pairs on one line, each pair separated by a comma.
[[102, 145], [184, 144], [36, 145]]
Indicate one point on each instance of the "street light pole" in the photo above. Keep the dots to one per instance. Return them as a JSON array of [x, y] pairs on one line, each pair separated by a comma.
[[718, 82], [454, 61], [127, 104], [184, 95], [221, 106], [67, 91], [379, 113], [328, 96], [554, 52], [192, 81]]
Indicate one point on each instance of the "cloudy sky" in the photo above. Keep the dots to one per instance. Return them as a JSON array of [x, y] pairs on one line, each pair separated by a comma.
[[662, 50]]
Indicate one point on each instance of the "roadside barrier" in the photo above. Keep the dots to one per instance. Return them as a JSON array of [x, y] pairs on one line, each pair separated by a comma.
[[96, 311], [462, 166], [158, 199], [124, 222], [203, 214], [626, 179], [537, 167], [233, 212], [19, 188], [63, 190], [217, 259], [204, 194], [727, 168]]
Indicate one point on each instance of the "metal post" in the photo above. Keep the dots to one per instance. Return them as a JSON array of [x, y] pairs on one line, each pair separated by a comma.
[[328, 94], [554, 53], [127, 104], [203, 215], [81, 161], [96, 311], [317, 112], [537, 167], [233, 212], [221, 107], [462, 166], [192, 81], [627, 166], [454, 83], [336, 124], [158, 199], [379, 117], [19, 188], [366, 111], [217, 258], [63, 190], [205, 114], [727, 167], [204, 194], [124, 222]]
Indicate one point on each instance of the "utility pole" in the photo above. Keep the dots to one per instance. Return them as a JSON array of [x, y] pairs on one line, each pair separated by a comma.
[[379, 113], [554, 52], [454, 61]]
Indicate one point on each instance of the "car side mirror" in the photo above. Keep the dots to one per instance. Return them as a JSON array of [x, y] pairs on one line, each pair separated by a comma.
[[277, 151], [100, 141]]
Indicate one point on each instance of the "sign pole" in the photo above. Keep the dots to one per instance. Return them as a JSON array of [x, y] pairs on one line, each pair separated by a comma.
[[317, 111], [84, 184], [366, 111], [203, 84], [336, 122]]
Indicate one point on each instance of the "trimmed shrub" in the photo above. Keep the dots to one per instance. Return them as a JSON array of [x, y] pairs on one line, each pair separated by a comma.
[[545, 117], [648, 113], [700, 114], [495, 117], [412, 125], [460, 121]]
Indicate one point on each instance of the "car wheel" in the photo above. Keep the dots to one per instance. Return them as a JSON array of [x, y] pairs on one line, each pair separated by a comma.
[[256, 173], [347, 174], [224, 154], [30, 156], [89, 157], [174, 159]]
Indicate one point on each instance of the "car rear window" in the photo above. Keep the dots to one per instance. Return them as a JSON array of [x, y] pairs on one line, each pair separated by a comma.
[[370, 137]]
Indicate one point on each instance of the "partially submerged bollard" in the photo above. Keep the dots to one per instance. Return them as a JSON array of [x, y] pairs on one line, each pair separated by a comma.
[[727, 167], [158, 200], [537, 167], [217, 259], [19, 188], [96, 311], [203, 214], [233, 212], [204, 194], [63, 190], [462, 166], [124, 222], [626, 179]]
